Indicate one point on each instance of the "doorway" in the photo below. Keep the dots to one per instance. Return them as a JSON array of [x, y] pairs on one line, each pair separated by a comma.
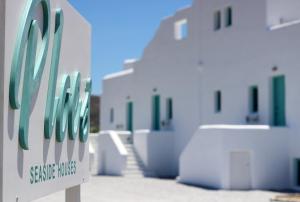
[[278, 101], [129, 124], [156, 113], [240, 171]]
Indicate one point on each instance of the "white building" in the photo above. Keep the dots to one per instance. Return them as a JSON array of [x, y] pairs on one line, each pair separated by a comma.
[[214, 97]]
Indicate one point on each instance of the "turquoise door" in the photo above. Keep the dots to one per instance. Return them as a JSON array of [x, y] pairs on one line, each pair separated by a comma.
[[156, 112], [278, 97], [129, 118]]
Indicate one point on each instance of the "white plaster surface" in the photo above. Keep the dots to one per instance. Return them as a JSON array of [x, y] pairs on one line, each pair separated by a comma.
[[230, 60], [156, 151], [204, 164], [110, 154]]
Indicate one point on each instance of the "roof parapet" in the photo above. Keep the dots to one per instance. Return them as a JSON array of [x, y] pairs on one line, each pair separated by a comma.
[[130, 63], [119, 74]]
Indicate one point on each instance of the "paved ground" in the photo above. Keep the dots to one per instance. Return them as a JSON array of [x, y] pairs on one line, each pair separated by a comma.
[[116, 189]]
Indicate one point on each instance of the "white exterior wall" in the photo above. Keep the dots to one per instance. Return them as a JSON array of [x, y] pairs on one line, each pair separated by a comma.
[[156, 71], [268, 148], [117, 91], [110, 155], [231, 60], [250, 64], [280, 11], [149, 145]]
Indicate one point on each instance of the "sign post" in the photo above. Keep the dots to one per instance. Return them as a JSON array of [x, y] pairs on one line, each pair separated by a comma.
[[73, 194], [45, 90]]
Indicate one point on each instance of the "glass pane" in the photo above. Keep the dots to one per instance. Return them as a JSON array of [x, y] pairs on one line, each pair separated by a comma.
[[228, 17], [217, 20]]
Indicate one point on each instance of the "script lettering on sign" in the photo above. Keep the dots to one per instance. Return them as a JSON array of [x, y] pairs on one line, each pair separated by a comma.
[[65, 110]]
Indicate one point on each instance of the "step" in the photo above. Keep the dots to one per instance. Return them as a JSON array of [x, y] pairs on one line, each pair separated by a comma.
[[131, 168], [134, 176], [128, 145], [134, 162], [133, 172], [134, 158], [131, 152], [136, 166]]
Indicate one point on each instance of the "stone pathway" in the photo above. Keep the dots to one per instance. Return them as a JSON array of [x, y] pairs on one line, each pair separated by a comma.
[[117, 189]]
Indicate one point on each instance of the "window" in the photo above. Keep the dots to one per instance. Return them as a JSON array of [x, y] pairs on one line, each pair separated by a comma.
[[181, 29], [217, 20], [129, 116], [278, 101], [228, 17], [111, 115], [254, 100], [156, 113], [169, 109], [218, 101], [297, 172]]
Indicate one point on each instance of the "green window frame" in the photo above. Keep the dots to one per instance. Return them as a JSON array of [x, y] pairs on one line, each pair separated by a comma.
[[129, 116], [111, 115], [218, 101], [278, 101], [228, 17], [156, 112], [297, 172], [217, 20], [169, 108], [254, 99]]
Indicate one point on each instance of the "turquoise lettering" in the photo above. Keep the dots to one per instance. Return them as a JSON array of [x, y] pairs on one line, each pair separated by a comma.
[[63, 109], [64, 112], [75, 107], [85, 113], [36, 174], [34, 64], [52, 100], [31, 175]]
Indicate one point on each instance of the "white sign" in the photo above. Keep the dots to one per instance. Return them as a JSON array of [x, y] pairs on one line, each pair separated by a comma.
[[45, 90]]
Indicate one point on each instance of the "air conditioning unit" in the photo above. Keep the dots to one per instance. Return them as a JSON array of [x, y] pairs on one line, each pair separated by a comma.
[[252, 118]]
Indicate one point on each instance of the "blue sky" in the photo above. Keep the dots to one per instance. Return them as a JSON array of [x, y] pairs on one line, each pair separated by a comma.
[[121, 30]]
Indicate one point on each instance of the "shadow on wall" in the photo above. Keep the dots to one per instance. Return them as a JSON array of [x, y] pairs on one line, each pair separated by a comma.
[[156, 148]]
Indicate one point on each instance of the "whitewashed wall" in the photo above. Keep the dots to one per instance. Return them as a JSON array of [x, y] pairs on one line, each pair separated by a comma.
[[231, 60], [117, 91], [156, 149], [280, 11], [268, 149], [251, 62], [156, 70], [110, 155]]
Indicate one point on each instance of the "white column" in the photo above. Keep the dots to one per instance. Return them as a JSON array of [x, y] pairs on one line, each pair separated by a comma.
[[73, 194]]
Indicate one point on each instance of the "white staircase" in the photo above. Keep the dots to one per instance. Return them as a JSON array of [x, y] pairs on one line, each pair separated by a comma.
[[135, 166]]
